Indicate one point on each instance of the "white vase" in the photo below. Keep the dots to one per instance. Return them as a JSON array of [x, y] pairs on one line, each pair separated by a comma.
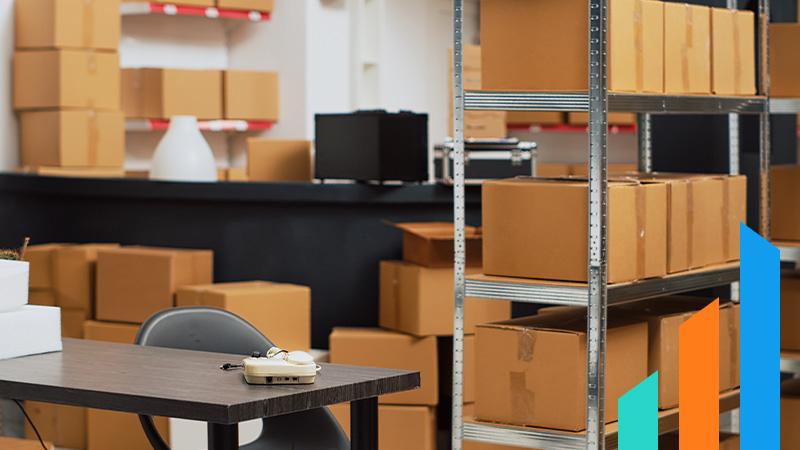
[[183, 153], [13, 284]]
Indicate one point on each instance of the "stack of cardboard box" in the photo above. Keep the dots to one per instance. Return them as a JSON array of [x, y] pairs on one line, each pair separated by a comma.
[[66, 87], [416, 316]]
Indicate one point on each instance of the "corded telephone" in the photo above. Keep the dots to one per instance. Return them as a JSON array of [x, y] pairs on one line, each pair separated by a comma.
[[280, 367]]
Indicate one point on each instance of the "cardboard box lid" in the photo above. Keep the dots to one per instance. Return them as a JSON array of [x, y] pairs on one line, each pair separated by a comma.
[[441, 231]]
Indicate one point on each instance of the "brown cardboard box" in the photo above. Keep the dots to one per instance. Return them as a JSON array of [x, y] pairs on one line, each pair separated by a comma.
[[516, 36], [687, 49], [40, 258], [477, 124], [419, 300], [790, 311], [83, 138], [279, 160], [72, 327], [582, 118], [535, 118], [783, 62], [64, 425], [582, 170], [430, 244], [784, 192], [790, 415], [22, 444], [237, 174], [376, 347], [485, 124], [163, 93], [532, 370], [43, 297], [135, 282], [112, 429], [732, 52], [67, 23], [74, 269], [729, 346], [66, 79], [74, 172], [250, 5], [558, 235], [251, 95], [256, 302], [550, 170], [399, 427]]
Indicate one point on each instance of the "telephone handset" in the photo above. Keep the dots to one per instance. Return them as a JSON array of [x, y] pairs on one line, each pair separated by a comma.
[[280, 367]]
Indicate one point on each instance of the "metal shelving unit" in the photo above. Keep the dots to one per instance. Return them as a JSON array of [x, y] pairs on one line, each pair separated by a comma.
[[596, 294]]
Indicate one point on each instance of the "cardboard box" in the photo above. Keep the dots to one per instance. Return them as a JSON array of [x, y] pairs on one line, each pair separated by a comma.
[[237, 174], [250, 5], [783, 62], [516, 36], [419, 300], [72, 327], [63, 425], [549, 170], [135, 282], [67, 23], [783, 193], [687, 49], [532, 370], [74, 270], [279, 160], [484, 124], [73, 172], [376, 347], [163, 93], [790, 311], [66, 79], [83, 138], [22, 444], [733, 69], [256, 302], [477, 124], [251, 95], [546, 239], [582, 118], [535, 118], [399, 427], [40, 258], [43, 297], [430, 244], [121, 333], [790, 414]]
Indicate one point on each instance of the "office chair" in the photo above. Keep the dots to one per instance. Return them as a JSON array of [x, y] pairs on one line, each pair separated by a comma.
[[216, 330]]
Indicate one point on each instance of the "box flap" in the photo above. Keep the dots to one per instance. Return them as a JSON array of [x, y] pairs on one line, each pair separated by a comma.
[[434, 230]]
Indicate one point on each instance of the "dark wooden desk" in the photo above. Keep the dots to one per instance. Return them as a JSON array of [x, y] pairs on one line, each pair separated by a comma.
[[190, 385]]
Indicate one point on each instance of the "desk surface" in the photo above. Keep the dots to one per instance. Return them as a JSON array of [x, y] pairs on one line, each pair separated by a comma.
[[181, 383]]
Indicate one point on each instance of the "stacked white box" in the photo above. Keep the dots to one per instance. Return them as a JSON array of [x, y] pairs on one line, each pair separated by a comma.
[[13, 284], [30, 330]]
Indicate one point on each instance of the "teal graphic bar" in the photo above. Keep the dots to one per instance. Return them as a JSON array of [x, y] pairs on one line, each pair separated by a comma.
[[638, 416]]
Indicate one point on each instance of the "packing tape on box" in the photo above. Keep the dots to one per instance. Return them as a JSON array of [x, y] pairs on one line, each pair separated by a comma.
[[686, 48], [641, 222], [88, 24], [737, 60], [689, 221], [522, 399], [93, 134], [638, 44], [726, 226], [525, 340]]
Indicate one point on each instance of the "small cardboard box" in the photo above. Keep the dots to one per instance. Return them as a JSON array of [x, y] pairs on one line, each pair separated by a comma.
[[66, 79], [376, 347], [790, 311], [516, 36], [783, 62], [74, 269], [256, 302], [582, 118], [40, 258], [430, 244], [135, 282], [733, 69], [249, 5], [237, 174], [72, 326], [43, 297], [7, 443], [83, 138], [687, 49], [163, 93], [399, 427], [67, 23], [535, 118], [64, 425], [251, 95], [548, 237], [784, 191], [279, 160], [790, 415], [532, 370], [419, 300]]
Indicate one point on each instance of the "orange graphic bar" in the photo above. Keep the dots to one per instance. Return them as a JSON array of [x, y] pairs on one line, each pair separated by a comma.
[[699, 380]]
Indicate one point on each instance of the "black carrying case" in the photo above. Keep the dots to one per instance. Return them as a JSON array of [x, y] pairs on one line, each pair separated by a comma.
[[486, 159]]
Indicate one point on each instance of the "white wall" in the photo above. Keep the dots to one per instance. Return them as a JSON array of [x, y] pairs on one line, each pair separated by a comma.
[[9, 140]]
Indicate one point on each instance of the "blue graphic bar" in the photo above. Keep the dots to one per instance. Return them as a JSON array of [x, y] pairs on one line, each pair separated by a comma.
[[638, 416], [759, 273]]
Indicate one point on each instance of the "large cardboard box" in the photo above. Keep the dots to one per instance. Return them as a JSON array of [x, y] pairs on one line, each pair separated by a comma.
[[733, 69], [790, 415], [67, 23], [163, 93], [82, 138], [517, 35], [532, 370], [66, 79], [783, 195], [250, 5], [538, 228], [72, 326], [74, 270], [63, 425], [430, 244], [257, 302], [135, 282], [419, 300], [790, 311], [251, 95], [279, 160], [40, 258], [376, 347], [399, 427], [783, 62], [7, 443], [477, 124], [687, 49]]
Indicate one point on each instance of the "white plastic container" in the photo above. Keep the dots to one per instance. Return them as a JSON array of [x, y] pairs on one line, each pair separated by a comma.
[[13, 284], [183, 154]]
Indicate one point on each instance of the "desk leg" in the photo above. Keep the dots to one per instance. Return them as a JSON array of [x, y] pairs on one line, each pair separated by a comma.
[[364, 424], [223, 437]]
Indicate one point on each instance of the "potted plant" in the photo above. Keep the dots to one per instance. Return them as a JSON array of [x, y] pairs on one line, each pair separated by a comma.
[[13, 278]]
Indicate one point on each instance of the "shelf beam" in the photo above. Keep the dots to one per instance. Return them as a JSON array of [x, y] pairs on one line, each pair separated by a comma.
[[784, 105]]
